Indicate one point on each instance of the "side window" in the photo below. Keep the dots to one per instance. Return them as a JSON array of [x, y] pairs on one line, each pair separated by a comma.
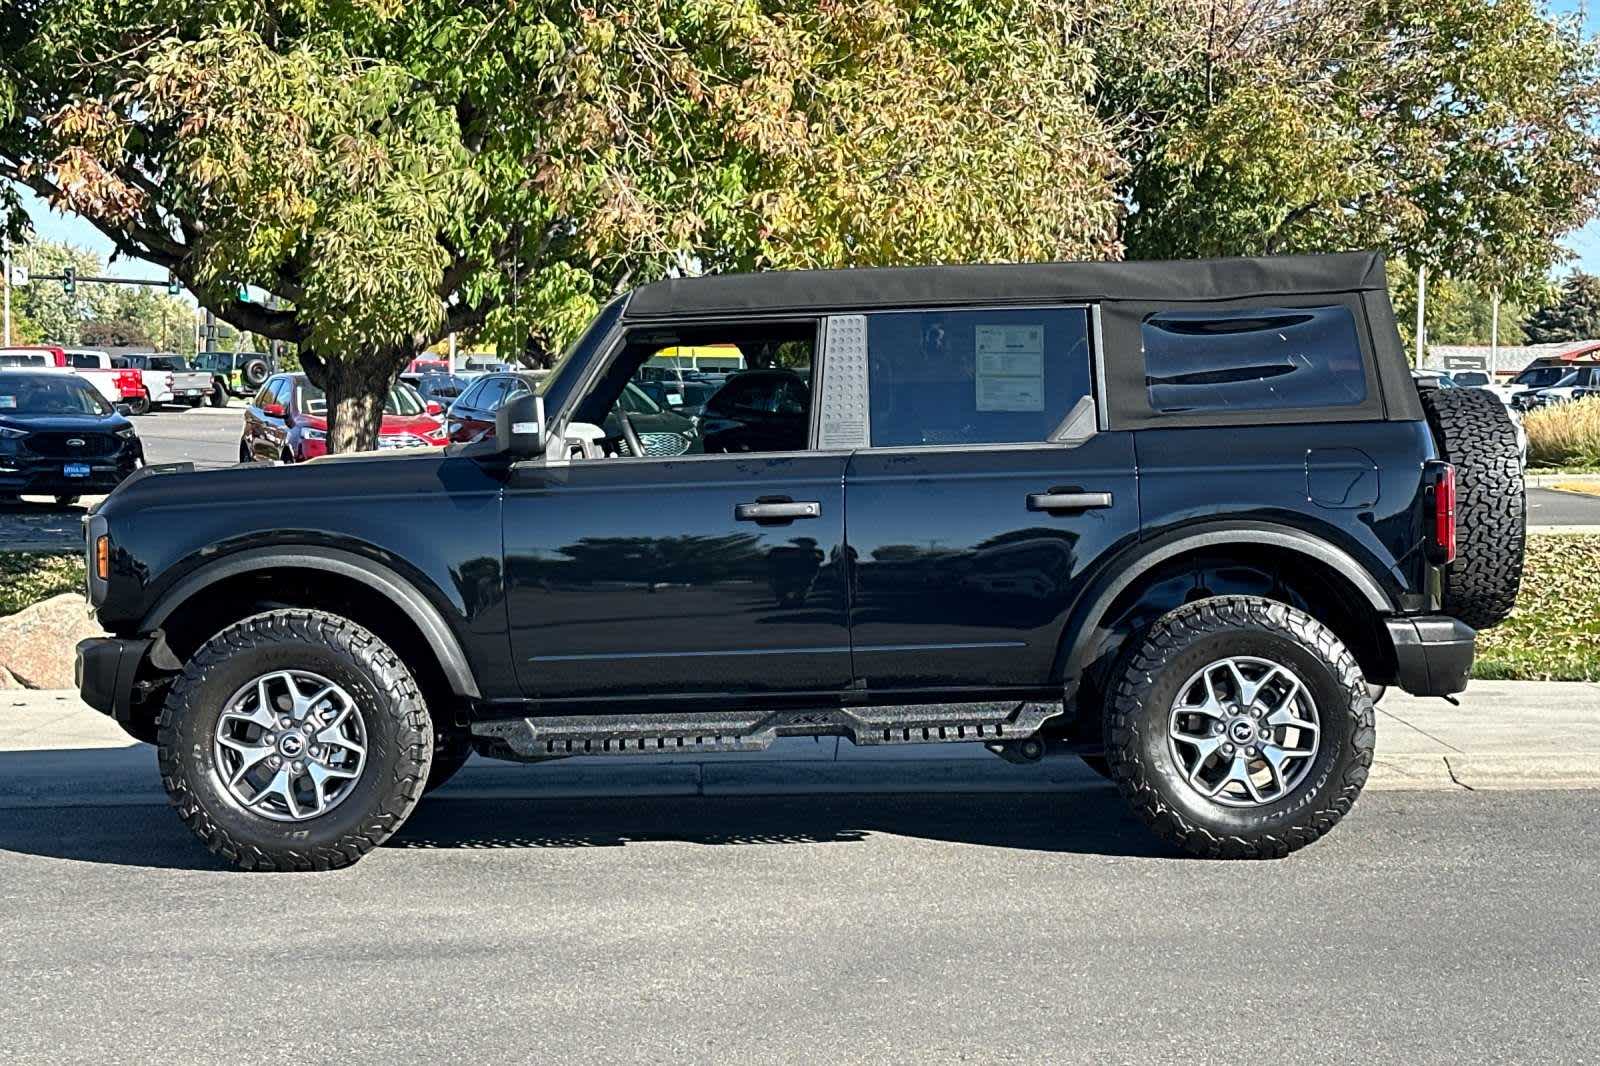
[[470, 396], [265, 396], [83, 361], [1255, 359], [493, 395], [974, 377]]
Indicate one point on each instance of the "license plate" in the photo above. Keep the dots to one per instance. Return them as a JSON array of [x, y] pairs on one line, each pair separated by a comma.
[[76, 470]]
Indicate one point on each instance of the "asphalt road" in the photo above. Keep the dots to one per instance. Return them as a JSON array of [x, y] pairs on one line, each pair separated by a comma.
[[1551, 507], [1430, 927]]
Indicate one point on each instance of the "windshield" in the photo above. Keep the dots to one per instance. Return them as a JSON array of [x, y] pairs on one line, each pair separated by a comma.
[[54, 396], [636, 401], [1472, 379], [1541, 377], [402, 400]]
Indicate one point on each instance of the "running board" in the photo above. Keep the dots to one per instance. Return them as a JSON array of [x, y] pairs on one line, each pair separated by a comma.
[[716, 732]]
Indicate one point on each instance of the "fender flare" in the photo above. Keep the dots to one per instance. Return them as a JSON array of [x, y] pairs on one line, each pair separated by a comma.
[[374, 575], [1089, 615]]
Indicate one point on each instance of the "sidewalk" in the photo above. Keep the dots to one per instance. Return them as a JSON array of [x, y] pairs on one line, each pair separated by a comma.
[[1505, 735]]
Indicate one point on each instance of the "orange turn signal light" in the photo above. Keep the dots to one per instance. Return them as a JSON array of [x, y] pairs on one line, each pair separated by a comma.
[[102, 557]]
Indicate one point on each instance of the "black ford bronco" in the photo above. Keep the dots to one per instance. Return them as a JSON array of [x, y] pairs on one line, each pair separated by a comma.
[[1181, 519]]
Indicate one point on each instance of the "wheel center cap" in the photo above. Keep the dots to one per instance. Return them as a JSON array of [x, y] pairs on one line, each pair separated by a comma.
[[1242, 730], [291, 745]]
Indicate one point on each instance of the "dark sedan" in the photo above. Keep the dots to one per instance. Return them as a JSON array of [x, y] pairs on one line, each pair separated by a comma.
[[758, 411], [59, 437]]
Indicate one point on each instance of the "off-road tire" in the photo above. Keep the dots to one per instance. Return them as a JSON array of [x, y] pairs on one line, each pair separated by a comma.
[[1179, 644], [1475, 435], [451, 750], [218, 396], [254, 372], [399, 740]]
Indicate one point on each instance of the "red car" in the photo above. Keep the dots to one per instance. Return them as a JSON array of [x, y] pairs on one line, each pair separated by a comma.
[[287, 421]]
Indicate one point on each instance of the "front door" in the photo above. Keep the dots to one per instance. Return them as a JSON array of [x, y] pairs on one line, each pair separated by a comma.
[[985, 497], [685, 571]]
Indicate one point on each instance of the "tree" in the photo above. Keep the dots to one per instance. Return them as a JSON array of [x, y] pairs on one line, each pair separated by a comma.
[[114, 333], [57, 317], [396, 172], [1456, 133], [1573, 316]]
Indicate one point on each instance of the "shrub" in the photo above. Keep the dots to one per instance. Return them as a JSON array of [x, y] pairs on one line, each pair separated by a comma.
[[1567, 434]]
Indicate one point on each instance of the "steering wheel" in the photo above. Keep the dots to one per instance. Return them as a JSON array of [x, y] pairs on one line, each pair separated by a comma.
[[630, 435]]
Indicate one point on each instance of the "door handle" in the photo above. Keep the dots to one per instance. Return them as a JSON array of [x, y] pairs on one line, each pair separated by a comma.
[[777, 511], [1067, 501]]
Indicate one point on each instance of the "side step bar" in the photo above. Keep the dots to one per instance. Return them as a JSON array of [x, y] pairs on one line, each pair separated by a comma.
[[713, 732]]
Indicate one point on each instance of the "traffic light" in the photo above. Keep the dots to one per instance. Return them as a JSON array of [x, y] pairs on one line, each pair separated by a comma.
[[173, 288], [69, 280]]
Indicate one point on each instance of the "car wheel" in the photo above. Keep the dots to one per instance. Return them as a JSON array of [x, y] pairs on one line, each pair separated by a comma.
[[218, 397], [294, 740], [66, 500], [254, 372], [140, 404], [1240, 728], [1478, 438], [195, 401]]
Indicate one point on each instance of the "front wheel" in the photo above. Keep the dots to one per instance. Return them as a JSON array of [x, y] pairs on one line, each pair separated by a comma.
[[218, 397], [294, 740], [1240, 728]]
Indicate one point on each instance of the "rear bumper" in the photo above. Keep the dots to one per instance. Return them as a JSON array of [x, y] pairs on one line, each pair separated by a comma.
[[105, 672], [1433, 654]]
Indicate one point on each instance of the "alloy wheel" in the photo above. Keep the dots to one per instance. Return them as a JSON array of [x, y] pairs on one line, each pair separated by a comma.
[[1243, 731], [290, 746]]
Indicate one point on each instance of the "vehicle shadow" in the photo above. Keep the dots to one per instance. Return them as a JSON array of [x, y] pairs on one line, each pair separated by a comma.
[[139, 829]]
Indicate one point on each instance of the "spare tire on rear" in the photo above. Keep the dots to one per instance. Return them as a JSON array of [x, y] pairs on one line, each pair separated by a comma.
[[1475, 435], [254, 372]]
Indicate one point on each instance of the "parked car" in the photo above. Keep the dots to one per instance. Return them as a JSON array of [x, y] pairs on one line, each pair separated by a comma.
[[1471, 379], [59, 437], [435, 387], [636, 424], [238, 374], [287, 421], [168, 378], [683, 392], [116, 384], [1174, 518], [1561, 390], [758, 411]]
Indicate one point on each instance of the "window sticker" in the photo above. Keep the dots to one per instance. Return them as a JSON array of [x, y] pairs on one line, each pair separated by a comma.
[[8, 403], [1010, 365]]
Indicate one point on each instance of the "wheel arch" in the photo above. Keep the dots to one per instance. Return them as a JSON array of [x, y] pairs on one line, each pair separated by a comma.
[[335, 571], [1280, 562]]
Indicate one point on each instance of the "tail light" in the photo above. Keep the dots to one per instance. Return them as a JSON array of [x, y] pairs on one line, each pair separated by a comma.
[[169, 382], [1443, 491], [128, 382]]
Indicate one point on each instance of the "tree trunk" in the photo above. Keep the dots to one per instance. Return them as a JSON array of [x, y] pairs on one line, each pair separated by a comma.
[[356, 391]]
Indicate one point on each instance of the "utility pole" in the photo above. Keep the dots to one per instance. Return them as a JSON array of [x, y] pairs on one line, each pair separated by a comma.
[[1494, 334], [5, 263], [1422, 329]]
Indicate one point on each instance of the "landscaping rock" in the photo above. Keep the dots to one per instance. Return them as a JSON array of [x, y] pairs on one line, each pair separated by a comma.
[[37, 643]]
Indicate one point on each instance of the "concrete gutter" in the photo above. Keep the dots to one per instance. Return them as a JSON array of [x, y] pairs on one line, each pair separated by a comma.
[[54, 751]]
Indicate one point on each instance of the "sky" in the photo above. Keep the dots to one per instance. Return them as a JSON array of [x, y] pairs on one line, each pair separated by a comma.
[[54, 226]]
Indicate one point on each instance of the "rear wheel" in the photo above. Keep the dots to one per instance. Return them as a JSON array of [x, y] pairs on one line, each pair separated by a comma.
[[140, 404], [218, 397], [294, 740], [1240, 728], [1476, 436]]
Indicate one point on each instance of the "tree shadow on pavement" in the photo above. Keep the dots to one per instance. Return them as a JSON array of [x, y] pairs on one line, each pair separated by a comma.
[[147, 833]]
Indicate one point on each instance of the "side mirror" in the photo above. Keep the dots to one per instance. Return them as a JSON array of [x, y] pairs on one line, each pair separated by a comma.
[[433, 408], [519, 427], [272, 410], [123, 409]]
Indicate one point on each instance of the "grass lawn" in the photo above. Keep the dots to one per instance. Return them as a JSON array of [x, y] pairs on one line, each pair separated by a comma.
[[1553, 635], [28, 577]]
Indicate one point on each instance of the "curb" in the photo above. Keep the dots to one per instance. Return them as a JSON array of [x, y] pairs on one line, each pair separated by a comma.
[[1562, 531], [1544, 481]]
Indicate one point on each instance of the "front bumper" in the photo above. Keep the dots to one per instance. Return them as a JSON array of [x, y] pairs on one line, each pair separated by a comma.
[[105, 672], [1433, 653]]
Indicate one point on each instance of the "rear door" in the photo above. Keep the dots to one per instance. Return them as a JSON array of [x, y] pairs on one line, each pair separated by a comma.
[[985, 494]]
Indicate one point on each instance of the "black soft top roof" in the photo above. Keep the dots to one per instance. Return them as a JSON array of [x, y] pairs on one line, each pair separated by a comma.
[[1196, 280]]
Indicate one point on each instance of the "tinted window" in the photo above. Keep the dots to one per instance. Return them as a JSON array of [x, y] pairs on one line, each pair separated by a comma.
[[63, 395], [83, 361], [1472, 379], [22, 359], [975, 377], [1251, 360], [1540, 377]]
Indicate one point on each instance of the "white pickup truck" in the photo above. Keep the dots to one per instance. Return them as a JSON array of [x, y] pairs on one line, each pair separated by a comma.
[[116, 384], [168, 378]]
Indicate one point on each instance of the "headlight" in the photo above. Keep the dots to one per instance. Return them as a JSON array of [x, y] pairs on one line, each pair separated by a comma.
[[127, 433], [437, 433], [314, 434], [8, 433]]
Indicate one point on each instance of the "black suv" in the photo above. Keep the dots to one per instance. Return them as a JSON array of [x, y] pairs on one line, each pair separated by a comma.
[[1180, 519]]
